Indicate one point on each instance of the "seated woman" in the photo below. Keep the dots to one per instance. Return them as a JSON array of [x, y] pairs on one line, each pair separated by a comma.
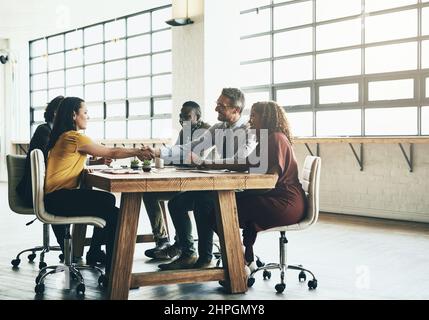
[[68, 150], [286, 203]]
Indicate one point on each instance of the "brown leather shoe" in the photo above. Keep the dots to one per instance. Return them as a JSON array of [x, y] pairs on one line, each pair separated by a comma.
[[183, 262]]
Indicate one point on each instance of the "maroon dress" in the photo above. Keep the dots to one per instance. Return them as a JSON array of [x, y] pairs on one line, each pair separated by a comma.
[[284, 205]]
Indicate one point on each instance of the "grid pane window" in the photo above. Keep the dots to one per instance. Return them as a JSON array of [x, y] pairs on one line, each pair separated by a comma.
[[425, 121], [121, 68], [335, 59]]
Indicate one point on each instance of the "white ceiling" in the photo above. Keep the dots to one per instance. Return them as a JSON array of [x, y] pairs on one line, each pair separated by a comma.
[[33, 18]]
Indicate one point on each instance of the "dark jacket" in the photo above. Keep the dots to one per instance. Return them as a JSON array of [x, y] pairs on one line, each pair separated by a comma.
[[40, 141]]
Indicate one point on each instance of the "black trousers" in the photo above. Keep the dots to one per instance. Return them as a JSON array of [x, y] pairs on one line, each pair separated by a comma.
[[81, 202]]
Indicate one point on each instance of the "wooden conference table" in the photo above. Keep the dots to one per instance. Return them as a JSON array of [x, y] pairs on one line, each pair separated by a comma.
[[169, 179]]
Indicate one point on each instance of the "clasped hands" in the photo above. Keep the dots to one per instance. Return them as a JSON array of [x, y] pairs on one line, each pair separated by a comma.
[[147, 153]]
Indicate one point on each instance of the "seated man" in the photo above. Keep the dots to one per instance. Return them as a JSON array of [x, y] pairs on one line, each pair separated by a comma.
[[190, 120]]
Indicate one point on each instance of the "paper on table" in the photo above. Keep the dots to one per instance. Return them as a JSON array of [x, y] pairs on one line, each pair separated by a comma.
[[121, 171]]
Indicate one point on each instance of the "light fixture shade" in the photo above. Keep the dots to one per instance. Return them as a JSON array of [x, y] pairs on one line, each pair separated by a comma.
[[179, 22], [180, 14]]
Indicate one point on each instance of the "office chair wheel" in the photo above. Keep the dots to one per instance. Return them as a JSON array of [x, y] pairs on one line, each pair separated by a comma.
[[42, 265], [280, 287], [266, 274], [102, 281], [250, 282], [15, 262], [31, 257], [259, 263], [302, 277], [39, 288], [312, 284], [80, 289]]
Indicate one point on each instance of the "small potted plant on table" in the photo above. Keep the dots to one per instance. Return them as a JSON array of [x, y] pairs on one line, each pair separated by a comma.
[[135, 164], [146, 165]]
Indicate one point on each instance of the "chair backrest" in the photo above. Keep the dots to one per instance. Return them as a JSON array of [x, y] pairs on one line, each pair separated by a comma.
[[310, 181], [38, 183], [15, 171]]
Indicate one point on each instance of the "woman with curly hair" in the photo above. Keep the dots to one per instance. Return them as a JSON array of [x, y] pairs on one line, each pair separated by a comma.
[[286, 203]]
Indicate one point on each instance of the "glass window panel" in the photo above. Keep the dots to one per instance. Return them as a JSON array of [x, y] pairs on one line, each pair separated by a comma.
[[95, 111], [39, 64], [115, 90], [56, 79], [425, 120], [138, 24], [255, 48], [332, 9], [338, 123], [250, 4], [293, 69], [294, 96], [95, 130], [39, 98], [391, 26], [339, 34], [138, 45], [114, 49], [138, 66], [394, 57], [161, 62], [292, 42], [338, 64], [94, 54], [39, 81], [301, 123], [159, 17], [116, 129], [391, 90], [253, 22], [162, 107], [115, 110], [139, 129], [56, 61], [76, 91], [161, 41], [427, 87], [55, 93], [293, 15], [139, 108], [115, 70], [391, 121], [74, 39], [94, 73], [74, 58], [93, 34], [425, 54], [74, 76], [161, 85], [139, 87], [38, 115], [161, 128], [375, 5], [255, 74], [38, 47], [94, 92], [114, 30], [342, 93], [56, 43], [425, 21], [253, 97]]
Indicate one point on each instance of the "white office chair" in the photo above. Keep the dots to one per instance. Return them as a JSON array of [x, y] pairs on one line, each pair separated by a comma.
[[15, 171], [310, 182], [38, 181]]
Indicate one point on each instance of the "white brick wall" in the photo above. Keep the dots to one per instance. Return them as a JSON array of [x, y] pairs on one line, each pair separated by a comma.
[[385, 188]]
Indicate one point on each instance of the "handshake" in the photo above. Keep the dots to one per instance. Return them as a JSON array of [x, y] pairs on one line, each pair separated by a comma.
[[148, 153]]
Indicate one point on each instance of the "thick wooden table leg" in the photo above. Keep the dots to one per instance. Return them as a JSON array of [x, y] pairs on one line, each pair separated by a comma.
[[78, 236], [229, 237], [123, 252]]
